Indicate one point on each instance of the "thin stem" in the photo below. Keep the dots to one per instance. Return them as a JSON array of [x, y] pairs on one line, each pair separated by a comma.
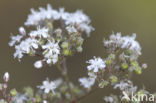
[[63, 69], [66, 77], [4, 89], [4, 93]]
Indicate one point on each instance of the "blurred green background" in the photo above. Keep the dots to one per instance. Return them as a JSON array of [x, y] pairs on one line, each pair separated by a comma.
[[126, 16]]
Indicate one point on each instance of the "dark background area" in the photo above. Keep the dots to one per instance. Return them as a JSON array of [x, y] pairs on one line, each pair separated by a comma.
[[126, 16]]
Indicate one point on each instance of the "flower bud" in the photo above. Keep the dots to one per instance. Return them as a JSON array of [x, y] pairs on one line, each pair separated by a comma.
[[38, 64], [144, 66], [67, 52], [22, 31], [113, 79], [65, 45], [13, 92], [6, 77], [79, 49], [138, 71], [124, 66], [103, 83], [44, 101], [58, 32], [4, 85]]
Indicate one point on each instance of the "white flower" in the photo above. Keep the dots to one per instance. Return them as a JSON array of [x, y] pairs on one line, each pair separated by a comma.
[[26, 46], [109, 99], [63, 15], [132, 44], [18, 53], [115, 40], [50, 13], [87, 82], [51, 51], [48, 86], [81, 20], [122, 85], [96, 64], [126, 87], [37, 16], [71, 29], [92, 75], [86, 28], [6, 77], [78, 18], [40, 32], [125, 42], [19, 98], [58, 82], [53, 59], [15, 39], [38, 64]]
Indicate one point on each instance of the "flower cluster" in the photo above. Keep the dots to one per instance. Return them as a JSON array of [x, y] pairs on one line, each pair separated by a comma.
[[126, 87], [50, 91], [58, 34], [78, 20], [96, 64], [126, 42], [122, 60]]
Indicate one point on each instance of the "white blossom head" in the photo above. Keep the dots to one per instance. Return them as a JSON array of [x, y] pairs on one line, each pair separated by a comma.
[[40, 32], [48, 86], [132, 44], [122, 85], [87, 82], [51, 52], [117, 41], [96, 64], [19, 98], [78, 19]]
